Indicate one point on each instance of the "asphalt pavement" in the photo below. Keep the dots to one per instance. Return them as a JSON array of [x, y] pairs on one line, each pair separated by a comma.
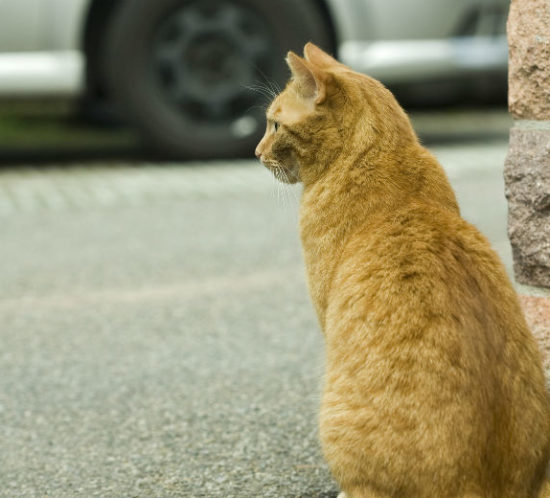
[[157, 336]]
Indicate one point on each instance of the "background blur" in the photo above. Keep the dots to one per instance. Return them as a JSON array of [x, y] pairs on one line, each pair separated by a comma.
[[157, 336], [190, 78]]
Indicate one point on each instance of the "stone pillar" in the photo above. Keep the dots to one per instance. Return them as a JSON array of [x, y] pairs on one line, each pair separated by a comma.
[[527, 168]]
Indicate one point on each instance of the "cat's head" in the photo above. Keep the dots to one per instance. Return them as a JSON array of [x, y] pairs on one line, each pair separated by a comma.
[[325, 110]]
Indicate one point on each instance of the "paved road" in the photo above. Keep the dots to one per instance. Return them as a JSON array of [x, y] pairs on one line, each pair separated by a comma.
[[157, 338]]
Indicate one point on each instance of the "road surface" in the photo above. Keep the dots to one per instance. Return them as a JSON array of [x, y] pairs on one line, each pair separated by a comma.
[[157, 337]]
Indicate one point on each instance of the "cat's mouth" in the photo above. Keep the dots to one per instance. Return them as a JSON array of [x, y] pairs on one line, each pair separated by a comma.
[[282, 173]]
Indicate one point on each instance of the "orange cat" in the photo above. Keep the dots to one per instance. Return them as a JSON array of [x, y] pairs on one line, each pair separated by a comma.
[[434, 385]]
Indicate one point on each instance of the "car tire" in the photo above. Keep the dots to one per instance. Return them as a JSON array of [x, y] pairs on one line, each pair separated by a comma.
[[184, 72]]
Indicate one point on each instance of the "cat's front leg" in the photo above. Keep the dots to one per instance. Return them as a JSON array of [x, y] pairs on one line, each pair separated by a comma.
[[342, 495]]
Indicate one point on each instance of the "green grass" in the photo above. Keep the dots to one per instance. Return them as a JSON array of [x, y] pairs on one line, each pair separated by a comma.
[[54, 125]]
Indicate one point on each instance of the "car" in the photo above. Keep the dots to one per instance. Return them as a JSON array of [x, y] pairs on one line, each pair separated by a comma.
[[193, 75]]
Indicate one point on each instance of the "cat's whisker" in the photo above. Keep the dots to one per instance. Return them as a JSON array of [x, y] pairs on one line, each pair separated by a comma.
[[266, 91], [281, 186], [286, 196], [273, 85], [284, 187], [290, 188], [260, 107], [276, 184]]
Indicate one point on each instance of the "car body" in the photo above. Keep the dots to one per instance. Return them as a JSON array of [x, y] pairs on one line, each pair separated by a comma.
[[63, 48]]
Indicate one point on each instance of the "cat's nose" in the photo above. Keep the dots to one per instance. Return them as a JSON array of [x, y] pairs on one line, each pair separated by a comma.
[[258, 152]]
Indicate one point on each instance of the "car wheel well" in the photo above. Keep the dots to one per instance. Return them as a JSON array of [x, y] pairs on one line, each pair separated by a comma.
[[95, 26]]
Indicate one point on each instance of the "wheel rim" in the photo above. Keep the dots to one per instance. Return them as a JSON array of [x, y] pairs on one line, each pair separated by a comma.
[[207, 55]]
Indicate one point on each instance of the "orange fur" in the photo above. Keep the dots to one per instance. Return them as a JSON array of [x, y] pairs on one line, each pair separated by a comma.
[[434, 385]]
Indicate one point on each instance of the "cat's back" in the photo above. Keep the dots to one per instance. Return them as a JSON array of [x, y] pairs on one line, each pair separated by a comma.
[[423, 268], [426, 341], [427, 253]]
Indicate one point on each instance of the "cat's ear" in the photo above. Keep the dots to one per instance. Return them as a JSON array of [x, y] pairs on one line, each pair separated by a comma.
[[310, 80], [318, 57]]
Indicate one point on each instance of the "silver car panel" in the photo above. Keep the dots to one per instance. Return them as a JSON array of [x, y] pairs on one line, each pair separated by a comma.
[[392, 40], [351, 19], [66, 23], [23, 25], [405, 61], [41, 25], [397, 41], [56, 73], [362, 20], [40, 42]]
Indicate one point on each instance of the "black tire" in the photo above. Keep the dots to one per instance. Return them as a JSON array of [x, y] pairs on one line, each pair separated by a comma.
[[181, 71]]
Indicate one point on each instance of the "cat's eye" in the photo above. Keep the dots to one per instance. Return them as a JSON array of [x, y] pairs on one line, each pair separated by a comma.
[[275, 126]]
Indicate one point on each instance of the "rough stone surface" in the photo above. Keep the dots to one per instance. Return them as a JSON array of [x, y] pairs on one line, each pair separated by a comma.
[[537, 312], [527, 177], [529, 59]]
